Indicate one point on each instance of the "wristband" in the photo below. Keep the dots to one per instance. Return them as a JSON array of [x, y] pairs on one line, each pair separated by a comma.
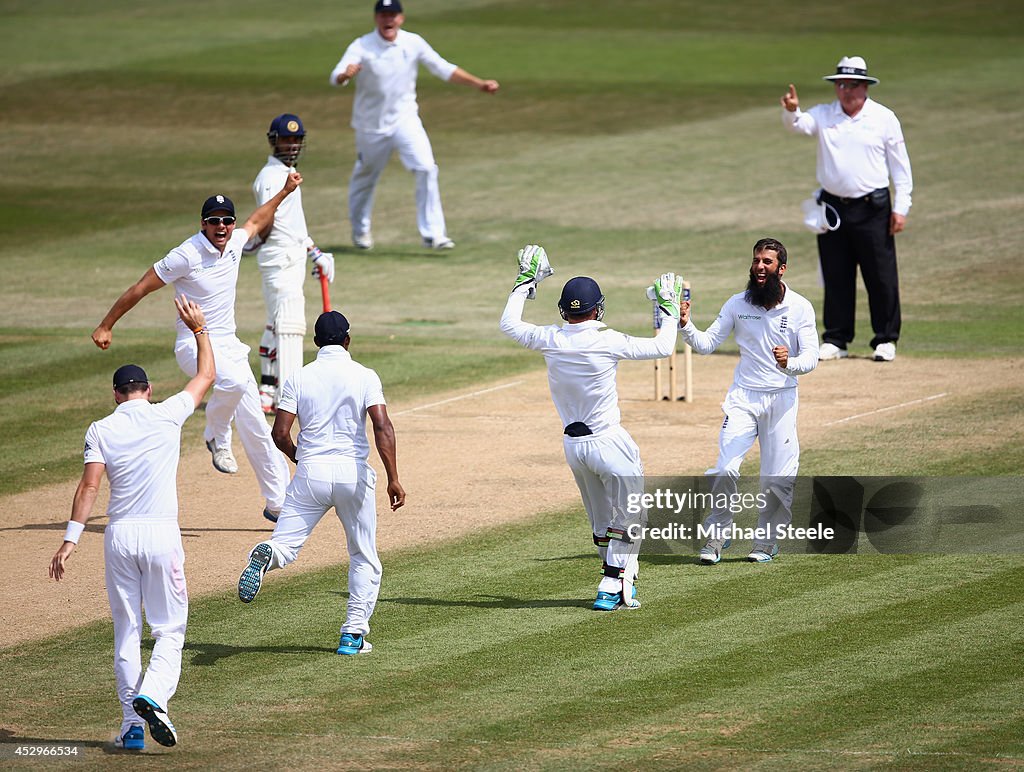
[[74, 531], [201, 331], [313, 253]]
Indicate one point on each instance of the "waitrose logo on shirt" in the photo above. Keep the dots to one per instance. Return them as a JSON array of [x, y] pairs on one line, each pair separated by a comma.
[[748, 316]]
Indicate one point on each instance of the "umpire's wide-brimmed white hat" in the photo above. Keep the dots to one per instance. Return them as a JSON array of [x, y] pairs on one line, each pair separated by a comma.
[[852, 68]]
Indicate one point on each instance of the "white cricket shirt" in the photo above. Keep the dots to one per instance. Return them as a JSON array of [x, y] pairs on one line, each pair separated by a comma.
[[289, 231], [139, 443], [857, 155], [330, 397], [582, 360], [789, 324], [386, 84], [207, 277]]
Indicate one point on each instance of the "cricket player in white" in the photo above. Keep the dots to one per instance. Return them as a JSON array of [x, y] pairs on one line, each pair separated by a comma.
[[582, 356], [331, 398], [774, 329], [386, 119], [138, 447], [281, 255], [205, 269]]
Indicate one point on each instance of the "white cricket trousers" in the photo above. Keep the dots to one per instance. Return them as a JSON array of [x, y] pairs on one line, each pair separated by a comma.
[[349, 487], [235, 394], [373, 151], [770, 418], [608, 471], [145, 568]]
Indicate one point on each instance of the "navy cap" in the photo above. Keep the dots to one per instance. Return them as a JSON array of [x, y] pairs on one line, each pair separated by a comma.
[[387, 6], [129, 374], [331, 329], [286, 125], [218, 204], [580, 295]]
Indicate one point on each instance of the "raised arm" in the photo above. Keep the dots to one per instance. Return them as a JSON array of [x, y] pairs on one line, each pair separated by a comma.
[[264, 216], [192, 315], [534, 267], [149, 282], [709, 340], [384, 439]]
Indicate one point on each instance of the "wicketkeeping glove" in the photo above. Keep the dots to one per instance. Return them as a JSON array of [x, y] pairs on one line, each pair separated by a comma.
[[666, 293], [323, 263], [533, 269]]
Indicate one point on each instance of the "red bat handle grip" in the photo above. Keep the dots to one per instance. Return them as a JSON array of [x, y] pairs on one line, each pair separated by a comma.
[[325, 293]]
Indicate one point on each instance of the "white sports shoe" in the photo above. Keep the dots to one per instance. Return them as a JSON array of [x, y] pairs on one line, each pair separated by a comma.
[[441, 243], [831, 351], [362, 240], [223, 458], [885, 352]]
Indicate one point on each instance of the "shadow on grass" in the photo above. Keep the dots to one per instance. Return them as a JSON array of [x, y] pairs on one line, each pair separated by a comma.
[[207, 654], [495, 601]]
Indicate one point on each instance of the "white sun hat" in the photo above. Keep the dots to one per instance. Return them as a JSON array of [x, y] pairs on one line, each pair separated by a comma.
[[852, 68]]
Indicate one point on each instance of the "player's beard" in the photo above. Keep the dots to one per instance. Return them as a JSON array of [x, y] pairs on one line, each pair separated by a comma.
[[767, 295]]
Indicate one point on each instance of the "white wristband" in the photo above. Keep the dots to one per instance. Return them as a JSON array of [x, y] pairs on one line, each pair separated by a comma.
[[74, 531]]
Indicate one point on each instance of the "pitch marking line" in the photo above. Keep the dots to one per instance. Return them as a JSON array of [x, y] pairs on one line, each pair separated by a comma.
[[461, 396], [886, 409]]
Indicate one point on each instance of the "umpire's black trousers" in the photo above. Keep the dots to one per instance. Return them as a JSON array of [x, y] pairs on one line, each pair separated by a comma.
[[862, 240]]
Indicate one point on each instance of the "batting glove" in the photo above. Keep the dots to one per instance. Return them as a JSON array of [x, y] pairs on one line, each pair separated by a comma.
[[666, 293], [533, 269], [323, 263]]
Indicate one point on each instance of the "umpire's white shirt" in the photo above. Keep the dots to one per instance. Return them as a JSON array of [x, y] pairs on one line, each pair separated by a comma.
[[386, 84], [757, 331], [582, 359], [207, 278], [856, 155], [289, 235], [330, 397], [140, 443]]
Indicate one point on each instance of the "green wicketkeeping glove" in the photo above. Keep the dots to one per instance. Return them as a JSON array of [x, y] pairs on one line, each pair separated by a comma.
[[667, 293], [533, 269]]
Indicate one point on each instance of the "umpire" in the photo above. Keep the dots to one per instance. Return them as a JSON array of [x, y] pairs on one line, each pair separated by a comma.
[[860, 145]]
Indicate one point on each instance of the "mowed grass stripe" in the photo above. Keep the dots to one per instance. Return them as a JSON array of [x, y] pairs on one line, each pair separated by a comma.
[[486, 651]]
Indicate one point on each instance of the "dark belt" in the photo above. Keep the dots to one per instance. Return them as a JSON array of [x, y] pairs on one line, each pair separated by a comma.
[[831, 198], [577, 429]]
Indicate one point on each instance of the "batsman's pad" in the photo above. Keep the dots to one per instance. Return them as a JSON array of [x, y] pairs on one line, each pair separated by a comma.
[[290, 324], [534, 268], [667, 293]]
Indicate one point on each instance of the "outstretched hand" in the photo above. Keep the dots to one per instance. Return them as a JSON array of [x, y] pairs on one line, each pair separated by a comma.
[[190, 313]]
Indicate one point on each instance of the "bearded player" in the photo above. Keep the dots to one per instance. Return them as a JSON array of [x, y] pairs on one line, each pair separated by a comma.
[[774, 329], [282, 253], [582, 356]]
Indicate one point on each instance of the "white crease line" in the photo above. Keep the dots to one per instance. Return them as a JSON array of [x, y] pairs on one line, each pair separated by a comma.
[[885, 409], [461, 396]]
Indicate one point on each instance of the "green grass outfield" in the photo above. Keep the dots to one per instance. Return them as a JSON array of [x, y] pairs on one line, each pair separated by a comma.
[[630, 137], [487, 656]]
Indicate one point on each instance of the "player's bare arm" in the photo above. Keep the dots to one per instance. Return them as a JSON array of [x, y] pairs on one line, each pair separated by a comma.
[[149, 282], [384, 439], [263, 217], [282, 433], [81, 508], [465, 78], [192, 315]]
